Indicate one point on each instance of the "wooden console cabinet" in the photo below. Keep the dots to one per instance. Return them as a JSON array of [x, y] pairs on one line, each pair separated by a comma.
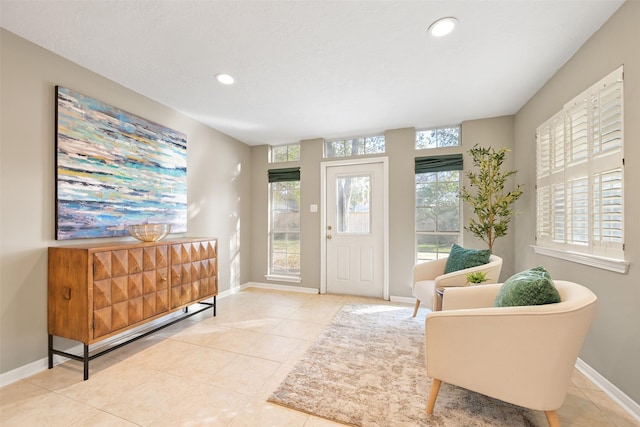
[[98, 291]]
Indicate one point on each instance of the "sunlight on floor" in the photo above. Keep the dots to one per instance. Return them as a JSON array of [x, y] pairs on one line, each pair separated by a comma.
[[220, 371]]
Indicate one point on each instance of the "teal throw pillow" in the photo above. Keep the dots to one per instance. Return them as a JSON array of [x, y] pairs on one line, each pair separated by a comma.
[[461, 258], [529, 287]]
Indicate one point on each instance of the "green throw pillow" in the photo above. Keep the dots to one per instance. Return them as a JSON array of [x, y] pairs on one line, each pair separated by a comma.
[[529, 287], [461, 258]]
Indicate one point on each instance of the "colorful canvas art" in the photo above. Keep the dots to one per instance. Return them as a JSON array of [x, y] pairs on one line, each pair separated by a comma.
[[115, 169]]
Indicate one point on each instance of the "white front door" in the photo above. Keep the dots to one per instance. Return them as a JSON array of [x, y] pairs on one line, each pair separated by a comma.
[[354, 229]]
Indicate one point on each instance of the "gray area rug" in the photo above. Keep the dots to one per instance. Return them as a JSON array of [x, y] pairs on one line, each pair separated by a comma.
[[367, 369]]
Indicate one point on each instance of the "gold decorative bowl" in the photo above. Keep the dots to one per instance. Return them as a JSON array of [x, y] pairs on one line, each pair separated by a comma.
[[150, 232]]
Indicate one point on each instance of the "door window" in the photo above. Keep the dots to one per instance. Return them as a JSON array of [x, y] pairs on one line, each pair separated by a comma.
[[353, 212]]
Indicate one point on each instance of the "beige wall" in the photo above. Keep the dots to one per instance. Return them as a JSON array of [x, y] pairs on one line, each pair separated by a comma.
[[613, 346], [218, 187], [228, 197], [494, 132], [401, 152], [310, 154], [400, 147]]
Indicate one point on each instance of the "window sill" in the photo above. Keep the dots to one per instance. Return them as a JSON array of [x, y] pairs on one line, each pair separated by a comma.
[[610, 264], [277, 278]]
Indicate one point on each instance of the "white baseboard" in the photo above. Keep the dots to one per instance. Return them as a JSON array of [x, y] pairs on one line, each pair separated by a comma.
[[228, 292], [40, 365], [406, 300], [625, 402], [277, 287], [23, 372]]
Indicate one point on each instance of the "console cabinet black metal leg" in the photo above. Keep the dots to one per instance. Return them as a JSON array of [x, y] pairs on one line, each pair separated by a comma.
[[50, 351], [87, 357], [86, 362]]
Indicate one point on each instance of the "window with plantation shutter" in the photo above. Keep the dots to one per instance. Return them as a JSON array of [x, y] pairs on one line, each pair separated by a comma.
[[580, 178]]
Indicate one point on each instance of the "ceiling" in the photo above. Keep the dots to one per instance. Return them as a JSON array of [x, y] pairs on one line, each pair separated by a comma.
[[309, 69]]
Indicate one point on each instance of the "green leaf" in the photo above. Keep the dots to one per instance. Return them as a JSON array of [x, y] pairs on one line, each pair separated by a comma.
[[487, 198]]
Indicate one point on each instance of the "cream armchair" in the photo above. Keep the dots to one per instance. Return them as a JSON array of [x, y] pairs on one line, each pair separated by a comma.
[[427, 276], [521, 355]]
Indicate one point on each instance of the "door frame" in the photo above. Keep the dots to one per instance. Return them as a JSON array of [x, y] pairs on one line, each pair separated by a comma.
[[385, 217]]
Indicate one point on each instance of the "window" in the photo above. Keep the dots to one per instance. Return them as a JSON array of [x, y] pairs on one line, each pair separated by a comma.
[[284, 227], [285, 153], [438, 218], [580, 171], [438, 138], [354, 146], [354, 213]]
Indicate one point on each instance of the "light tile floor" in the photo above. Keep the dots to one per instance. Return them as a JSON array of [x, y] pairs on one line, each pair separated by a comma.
[[219, 372]]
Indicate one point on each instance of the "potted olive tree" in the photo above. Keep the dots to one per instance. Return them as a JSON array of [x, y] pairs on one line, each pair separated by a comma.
[[491, 203]]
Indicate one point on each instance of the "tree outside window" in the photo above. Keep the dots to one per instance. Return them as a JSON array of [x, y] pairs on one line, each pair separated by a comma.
[[437, 213], [355, 146], [285, 153], [438, 138], [285, 228]]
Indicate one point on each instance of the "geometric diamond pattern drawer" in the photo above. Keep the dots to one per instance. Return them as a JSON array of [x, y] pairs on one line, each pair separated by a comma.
[[193, 272]]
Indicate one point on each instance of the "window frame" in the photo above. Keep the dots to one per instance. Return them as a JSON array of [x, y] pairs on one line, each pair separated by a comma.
[[367, 143], [437, 165], [437, 144], [291, 151], [279, 177], [575, 149]]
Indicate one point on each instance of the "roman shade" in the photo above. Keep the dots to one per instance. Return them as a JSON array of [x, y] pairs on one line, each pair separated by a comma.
[[284, 174], [449, 162]]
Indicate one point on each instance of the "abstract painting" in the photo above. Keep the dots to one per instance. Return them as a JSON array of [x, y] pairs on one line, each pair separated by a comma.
[[115, 169]]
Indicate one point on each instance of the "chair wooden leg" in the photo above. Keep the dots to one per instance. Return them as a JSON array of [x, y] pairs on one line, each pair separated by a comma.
[[415, 309], [433, 395], [552, 418]]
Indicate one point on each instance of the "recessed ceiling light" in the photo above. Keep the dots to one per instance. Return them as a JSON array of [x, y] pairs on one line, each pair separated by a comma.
[[225, 79], [443, 26]]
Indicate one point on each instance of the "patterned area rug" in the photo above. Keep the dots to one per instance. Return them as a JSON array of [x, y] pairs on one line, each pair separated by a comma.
[[367, 369]]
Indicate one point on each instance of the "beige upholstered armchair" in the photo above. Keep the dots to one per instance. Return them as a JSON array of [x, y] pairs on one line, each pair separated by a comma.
[[521, 355], [427, 276]]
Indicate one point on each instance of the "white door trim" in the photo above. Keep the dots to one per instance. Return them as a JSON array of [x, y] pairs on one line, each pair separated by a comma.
[[385, 214]]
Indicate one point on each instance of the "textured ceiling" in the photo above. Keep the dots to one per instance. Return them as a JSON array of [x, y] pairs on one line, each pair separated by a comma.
[[307, 69]]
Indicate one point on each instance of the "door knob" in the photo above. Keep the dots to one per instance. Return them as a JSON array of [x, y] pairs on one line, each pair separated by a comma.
[[329, 236]]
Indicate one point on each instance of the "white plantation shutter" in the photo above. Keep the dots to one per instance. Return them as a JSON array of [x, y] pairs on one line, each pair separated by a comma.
[[579, 129], [544, 207], [580, 173], [559, 213], [578, 211], [608, 213], [558, 142], [544, 151]]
